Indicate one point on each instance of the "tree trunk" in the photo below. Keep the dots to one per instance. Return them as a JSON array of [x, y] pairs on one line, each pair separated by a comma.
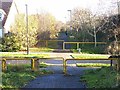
[[95, 39]]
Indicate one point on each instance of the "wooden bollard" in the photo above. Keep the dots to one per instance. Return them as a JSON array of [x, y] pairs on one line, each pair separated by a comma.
[[4, 66], [35, 64]]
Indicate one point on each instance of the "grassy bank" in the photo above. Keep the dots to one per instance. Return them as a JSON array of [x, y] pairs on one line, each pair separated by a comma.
[[104, 77], [17, 76]]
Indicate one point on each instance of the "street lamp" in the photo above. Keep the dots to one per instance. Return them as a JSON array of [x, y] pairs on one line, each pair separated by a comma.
[[70, 19], [27, 28]]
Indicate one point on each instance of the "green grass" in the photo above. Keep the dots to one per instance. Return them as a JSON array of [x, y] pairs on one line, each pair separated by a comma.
[[10, 54], [17, 76], [43, 65], [92, 65], [90, 56], [41, 49], [104, 77]]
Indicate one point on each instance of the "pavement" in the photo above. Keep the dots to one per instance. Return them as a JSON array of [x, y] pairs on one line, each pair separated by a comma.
[[58, 79]]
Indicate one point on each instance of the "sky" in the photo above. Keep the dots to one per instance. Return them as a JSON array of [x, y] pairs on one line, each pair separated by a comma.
[[58, 8]]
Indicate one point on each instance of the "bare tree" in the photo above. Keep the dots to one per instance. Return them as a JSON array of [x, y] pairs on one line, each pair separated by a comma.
[[80, 19]]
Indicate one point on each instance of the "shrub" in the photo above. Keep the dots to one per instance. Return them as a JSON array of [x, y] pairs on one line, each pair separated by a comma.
[[10, 43]]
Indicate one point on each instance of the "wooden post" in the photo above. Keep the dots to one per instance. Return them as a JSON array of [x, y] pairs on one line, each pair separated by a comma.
[[77, 45], [63, 45], [111, 61], [35, 64], [46, 42], [4, 66]]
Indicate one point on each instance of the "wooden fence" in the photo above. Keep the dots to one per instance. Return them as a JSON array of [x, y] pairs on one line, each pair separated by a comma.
[[77, 43], [46, 41]]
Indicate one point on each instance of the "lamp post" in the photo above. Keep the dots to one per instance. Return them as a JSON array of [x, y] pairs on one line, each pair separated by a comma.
[[70, 19], [27, 28]]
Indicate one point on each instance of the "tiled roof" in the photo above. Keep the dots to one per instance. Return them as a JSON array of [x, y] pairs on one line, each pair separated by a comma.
[[6, 7]]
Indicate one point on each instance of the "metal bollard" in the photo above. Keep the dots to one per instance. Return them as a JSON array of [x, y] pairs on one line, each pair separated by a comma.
[[35, 64], [4, 66]]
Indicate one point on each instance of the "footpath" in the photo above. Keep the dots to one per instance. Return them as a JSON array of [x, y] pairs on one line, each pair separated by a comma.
[[58, 79]]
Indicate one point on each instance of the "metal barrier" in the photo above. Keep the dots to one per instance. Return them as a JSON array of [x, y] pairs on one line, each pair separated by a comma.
[[34, 61], [65, 62]]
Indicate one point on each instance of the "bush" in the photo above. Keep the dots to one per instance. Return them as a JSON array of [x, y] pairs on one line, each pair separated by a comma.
[[10, 43]]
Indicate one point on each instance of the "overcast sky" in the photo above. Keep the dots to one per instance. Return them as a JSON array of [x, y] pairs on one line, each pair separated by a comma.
[[59, 8]]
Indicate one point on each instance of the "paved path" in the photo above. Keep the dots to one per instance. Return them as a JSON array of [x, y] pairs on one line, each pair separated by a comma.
[[58, 79]]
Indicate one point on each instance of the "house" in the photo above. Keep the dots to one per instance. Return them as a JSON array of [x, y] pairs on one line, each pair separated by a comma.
[[10, 8], [4, 11], [2, 15]]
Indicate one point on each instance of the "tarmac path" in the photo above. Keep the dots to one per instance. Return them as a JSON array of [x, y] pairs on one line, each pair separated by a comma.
[[58, 79]]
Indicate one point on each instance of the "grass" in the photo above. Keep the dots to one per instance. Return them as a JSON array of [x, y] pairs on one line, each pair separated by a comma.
[[92, 65], [90, 56], [17, 76], [43, 65], [41, 49], [104, 77], [10, 54]]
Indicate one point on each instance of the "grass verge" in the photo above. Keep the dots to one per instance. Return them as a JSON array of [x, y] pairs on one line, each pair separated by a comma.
[[92, 65], [43, 65], [90, 56], [10, 54], [41, 49], [17, 76], [104, 77]]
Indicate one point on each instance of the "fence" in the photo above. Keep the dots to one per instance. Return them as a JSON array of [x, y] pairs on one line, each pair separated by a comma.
[[46, 42], [77, 43]]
